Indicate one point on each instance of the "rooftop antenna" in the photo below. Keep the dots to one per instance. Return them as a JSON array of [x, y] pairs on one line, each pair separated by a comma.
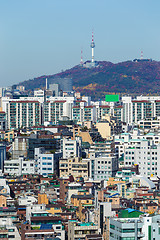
[[81, 57], [141, 55]]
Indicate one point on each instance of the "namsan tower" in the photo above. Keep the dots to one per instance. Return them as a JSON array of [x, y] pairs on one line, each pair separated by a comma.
[[91, 63], [92, 46]]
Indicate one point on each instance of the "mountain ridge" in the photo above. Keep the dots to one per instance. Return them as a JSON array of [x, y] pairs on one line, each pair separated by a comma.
[[124, 77]]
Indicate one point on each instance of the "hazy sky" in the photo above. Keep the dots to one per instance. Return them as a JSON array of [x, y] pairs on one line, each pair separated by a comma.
[[39, 37]]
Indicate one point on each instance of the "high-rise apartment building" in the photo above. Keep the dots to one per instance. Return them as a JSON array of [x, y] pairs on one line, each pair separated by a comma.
[[84, 113], [141, 108], [55, 110], [23, 114], [102, 111], [127, 110]]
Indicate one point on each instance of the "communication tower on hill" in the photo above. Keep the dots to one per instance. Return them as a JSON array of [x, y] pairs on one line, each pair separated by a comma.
[[141, 55], [92, 46], [81, 57], [91, 63]]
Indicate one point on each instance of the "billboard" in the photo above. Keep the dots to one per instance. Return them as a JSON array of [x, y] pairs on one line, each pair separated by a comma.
[[112, 98]]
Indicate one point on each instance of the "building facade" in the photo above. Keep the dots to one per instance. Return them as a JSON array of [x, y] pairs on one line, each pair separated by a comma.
[[23, 114], [73, 166], [102, 166], [146, 156]]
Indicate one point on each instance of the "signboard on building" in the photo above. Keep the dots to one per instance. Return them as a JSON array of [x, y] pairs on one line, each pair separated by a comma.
[[112, 98]]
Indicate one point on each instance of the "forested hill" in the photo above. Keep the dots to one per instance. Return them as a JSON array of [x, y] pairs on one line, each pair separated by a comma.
[[125, 77]]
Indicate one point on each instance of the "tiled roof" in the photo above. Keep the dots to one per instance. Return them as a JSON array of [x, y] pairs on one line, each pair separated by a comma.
[[104, 106], [140, 101], [25, 101], [89, 196], [54, 218]]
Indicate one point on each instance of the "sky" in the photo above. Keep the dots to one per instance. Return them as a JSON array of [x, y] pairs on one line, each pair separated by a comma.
[[43, 37]]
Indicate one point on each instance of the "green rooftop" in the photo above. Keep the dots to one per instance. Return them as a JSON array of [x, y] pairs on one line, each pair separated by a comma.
[[129, 213]]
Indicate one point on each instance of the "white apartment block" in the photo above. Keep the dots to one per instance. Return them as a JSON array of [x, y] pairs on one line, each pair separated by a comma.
[[84, 113], [114, 110], [149, 123], [127, 110], [102, 110], [55, 110], [4, 102], [141, 108], [23, 114]]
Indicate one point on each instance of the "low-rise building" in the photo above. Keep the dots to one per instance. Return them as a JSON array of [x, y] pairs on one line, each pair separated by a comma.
[[78, 230], [122, 228], [146, 156], [29, 232], [71, 148], [3, 124], [8, 230], [46, 163], [19, 166], [76, 167], [26, 200], [102, 165], [85, 200], [137, 226]]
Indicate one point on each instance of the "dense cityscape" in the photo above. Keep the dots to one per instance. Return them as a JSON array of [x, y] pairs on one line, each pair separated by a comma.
[[73, 168], [79, 147]]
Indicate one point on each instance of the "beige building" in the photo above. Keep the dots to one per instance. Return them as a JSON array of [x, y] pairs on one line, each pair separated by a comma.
[[9, 135], [85, 135], [108, 126], [19, 147], [76, 167], [42, 198], [3, 200], [104, 128]]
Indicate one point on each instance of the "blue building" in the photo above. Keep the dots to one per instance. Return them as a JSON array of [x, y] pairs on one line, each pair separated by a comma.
[[2, 155]]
